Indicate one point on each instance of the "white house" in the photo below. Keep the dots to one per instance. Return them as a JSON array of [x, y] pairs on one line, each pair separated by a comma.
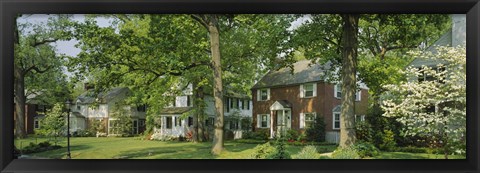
[[85, 111], [176, 121]]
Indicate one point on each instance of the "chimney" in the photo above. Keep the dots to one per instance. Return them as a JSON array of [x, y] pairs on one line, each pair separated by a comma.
[[459, 30]]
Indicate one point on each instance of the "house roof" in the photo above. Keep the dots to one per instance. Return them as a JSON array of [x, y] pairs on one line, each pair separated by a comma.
[[303, 72], [445, 40], [103, 97], [280, 104], [175, 110]]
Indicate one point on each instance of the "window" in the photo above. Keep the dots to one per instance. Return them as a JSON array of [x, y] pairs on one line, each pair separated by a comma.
[[168, 122], [238, 104], [210, 121], [336, 120], [233, 124], [263, 94], [309, 119], [247, 104], [141, 108], [189, 101], [358, 95], [190, 121], [425, 76], [135, 127], [178, 121], [227, 103], [78, 107], [233, 103], [36, 124], [338, 91], [359, 118], [141, 123], [263, 121], [308, 90]]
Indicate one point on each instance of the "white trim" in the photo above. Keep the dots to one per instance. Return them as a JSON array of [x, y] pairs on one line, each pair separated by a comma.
[[335, 90], [259, 94], [305, 117], [302, 120], [260, 119], [303, 91], [358, 95], [333, 120]]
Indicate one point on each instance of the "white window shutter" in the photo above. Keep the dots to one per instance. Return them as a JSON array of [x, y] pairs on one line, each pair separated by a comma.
[[335, 90], [259, 121], [258, 95], [302, 93], [302, 120], [268, 121], [268, 93], [314, 89], [359, 95]]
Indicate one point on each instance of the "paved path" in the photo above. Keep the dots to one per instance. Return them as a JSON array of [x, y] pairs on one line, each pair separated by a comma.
[[31, 157]]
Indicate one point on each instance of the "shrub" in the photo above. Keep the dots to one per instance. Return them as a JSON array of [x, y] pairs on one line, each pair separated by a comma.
[[345, 153], [228, 134], [259, 134], [308, 152], [83, 133], [262, 151], [280, 151], [412, 149], [292, 134], [388, 141], [250, 141], [35, 148], [364, 131], [316, 132], [365, 149]]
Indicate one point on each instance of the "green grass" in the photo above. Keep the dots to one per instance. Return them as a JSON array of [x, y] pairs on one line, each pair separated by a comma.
[[134, 148]]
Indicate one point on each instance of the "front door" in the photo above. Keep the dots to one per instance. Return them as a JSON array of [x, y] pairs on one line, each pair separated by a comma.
[[284, 121]]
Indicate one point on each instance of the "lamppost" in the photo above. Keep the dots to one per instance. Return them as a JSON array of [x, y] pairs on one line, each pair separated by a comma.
[[68, 104]]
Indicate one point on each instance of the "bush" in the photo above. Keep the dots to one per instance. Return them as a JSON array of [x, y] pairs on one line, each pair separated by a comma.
[[35, 148], [83, 133], [316, 132], [292, 135], [250, 141], [388, 141], [345, 153], [364, 131], [262, 151], [259, 134], [365, 149], [280, 151], [308, 152]]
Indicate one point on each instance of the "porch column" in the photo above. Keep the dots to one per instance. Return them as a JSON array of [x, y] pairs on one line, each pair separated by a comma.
[[271, 124]]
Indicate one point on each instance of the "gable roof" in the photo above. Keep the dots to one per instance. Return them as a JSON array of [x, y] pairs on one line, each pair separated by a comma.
[[303, 72], [445, 40], [104, 97]]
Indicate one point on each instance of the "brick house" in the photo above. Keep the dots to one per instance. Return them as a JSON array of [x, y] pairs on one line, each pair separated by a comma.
[[283, 100]]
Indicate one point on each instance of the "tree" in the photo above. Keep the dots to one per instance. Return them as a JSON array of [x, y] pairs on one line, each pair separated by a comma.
[[323, 38], [54, 123], [37, 67], [121, 119], [433, 108]]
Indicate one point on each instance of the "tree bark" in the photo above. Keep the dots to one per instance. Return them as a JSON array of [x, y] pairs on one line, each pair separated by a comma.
[[20, 103], [349, 63], [200, 115], [217, 83], [195, 112]]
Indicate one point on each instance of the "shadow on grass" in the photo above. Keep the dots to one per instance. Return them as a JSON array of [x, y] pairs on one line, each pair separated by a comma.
[[169, 152], [399, 155], [59, 153]]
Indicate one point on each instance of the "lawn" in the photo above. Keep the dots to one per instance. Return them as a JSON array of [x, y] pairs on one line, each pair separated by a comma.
[[135, 148]]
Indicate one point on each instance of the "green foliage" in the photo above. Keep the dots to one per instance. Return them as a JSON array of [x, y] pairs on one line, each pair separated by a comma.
[[388, 141], [280, 151], [345, 153], [308, 152], [263, 151], [316, 132], [84, 133], [292, 134], [121, 120], [365, 149], [259, 134], [364, 131], [40, 147], [54, 123]]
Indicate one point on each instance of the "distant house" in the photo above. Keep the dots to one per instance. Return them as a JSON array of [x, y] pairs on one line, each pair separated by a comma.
[[176, 119], [455, 36], [35, 110], [283, 101], [87, 109]]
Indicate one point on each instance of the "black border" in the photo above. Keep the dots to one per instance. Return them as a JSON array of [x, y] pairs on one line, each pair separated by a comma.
[[8, 9]]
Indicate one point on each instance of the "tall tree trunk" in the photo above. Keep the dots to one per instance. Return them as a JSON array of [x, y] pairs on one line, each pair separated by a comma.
[[195, 112], [20, 103], [217, 83], [349, 62], [201, 115]]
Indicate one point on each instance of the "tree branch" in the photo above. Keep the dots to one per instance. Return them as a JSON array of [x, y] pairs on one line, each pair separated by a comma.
[[200, 18]]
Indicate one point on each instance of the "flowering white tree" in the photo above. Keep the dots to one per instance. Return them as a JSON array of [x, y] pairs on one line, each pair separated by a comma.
[[432, 102]]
